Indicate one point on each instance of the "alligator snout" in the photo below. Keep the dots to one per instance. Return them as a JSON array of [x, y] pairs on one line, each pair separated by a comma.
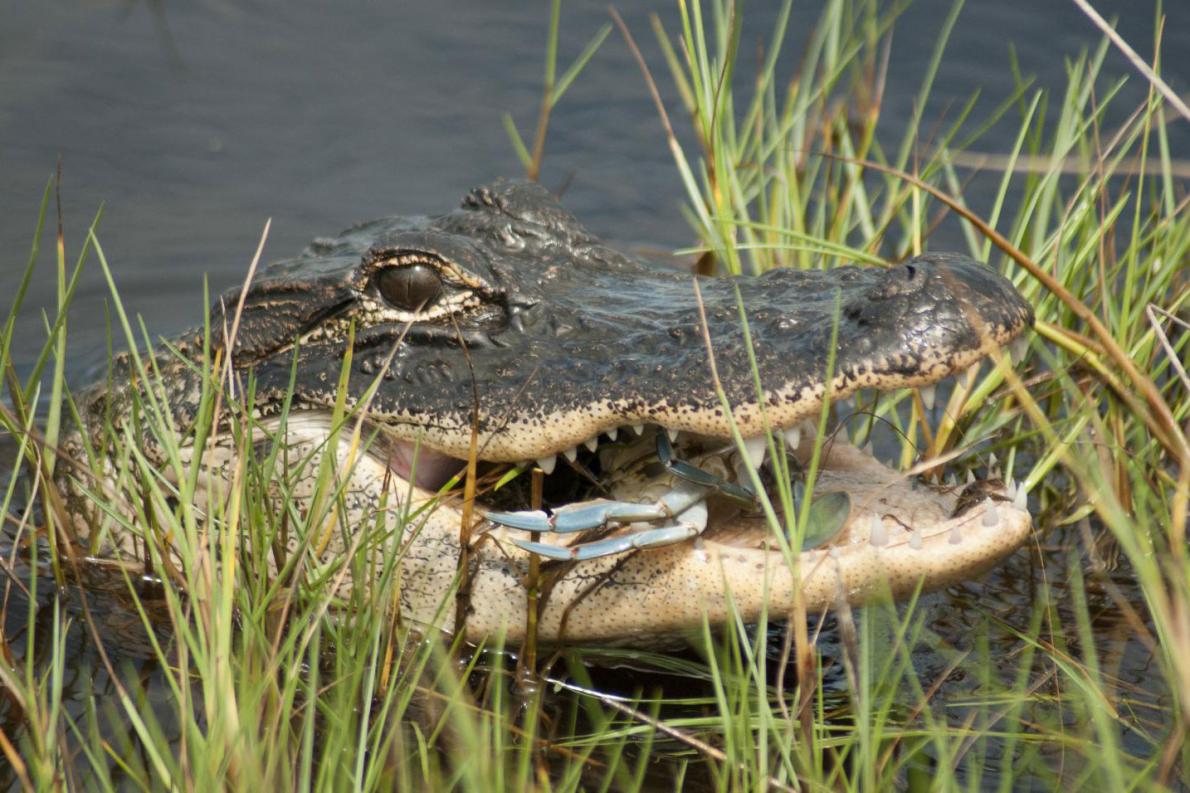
[[955, 302]]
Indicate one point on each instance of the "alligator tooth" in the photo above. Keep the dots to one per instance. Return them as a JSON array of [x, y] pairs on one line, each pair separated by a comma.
[[970, 477], [755, 449], [915, 539], [1021, 499], [546, 464], [991, 515], [592, 443], [956, 536], [673, 435], [876, 533], [571, 453], [952, 480], [613, 433], [638, 428], [929, 395], [793, 437]]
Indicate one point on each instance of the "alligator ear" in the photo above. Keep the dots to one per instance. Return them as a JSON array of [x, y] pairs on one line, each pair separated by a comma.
[[516, 197], [529, 203]]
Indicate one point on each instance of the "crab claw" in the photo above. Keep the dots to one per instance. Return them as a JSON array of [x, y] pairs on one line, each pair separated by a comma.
[[649, 538], [694, 521], [580, 516]]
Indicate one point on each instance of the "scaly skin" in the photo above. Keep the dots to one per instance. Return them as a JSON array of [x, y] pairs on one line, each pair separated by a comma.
[[558, 340]]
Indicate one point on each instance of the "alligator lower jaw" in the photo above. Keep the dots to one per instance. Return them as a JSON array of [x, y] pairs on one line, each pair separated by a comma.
[[900, 535]]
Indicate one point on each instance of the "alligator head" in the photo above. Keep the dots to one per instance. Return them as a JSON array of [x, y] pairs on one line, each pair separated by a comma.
[[507, 318]]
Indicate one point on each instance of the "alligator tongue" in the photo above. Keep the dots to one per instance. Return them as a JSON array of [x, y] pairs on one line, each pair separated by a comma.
[[432, 470]]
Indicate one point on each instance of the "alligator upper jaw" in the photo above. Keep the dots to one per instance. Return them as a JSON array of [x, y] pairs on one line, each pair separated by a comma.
[[575, 347], [556, 438]]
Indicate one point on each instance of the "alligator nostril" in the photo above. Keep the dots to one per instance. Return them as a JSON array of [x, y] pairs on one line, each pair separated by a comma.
[[897, 282]]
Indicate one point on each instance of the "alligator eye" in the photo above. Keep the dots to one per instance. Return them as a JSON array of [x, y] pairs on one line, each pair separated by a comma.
[[409, 288]]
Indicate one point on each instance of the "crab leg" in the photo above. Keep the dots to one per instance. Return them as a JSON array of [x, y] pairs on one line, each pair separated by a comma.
[[595, 514], [592, 550], [684, 504], [692, 473]]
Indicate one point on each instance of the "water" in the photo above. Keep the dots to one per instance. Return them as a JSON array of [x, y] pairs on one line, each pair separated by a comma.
[[194, 123]]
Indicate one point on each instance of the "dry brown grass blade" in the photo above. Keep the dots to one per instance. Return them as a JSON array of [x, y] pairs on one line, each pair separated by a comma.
[[670, 138], [1154, 79], [467, 515], [14, 761], [1151, 311]]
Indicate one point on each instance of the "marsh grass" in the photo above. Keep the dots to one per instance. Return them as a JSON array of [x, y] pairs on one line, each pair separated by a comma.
[[1092, 419], [255, 678]]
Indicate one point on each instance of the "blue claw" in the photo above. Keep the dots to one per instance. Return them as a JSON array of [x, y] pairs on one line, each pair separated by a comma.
[[697, 476], [685, 502], [525, 520], [560, 552], [650, 538], [592, 515], [580, 517]]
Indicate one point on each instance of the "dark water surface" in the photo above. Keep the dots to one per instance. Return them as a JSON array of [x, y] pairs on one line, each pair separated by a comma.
[[193, 123]]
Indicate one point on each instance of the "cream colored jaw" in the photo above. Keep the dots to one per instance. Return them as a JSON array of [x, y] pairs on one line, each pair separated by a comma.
[[898, 537]]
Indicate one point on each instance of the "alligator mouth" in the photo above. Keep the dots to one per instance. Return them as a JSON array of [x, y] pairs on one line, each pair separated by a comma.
[[899, 533]]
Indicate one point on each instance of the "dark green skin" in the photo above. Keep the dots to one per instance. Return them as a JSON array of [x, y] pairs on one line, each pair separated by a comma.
[[563, 325], [546, 338]]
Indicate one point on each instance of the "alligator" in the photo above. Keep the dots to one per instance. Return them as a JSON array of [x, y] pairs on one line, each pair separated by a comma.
[[505, 330]]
